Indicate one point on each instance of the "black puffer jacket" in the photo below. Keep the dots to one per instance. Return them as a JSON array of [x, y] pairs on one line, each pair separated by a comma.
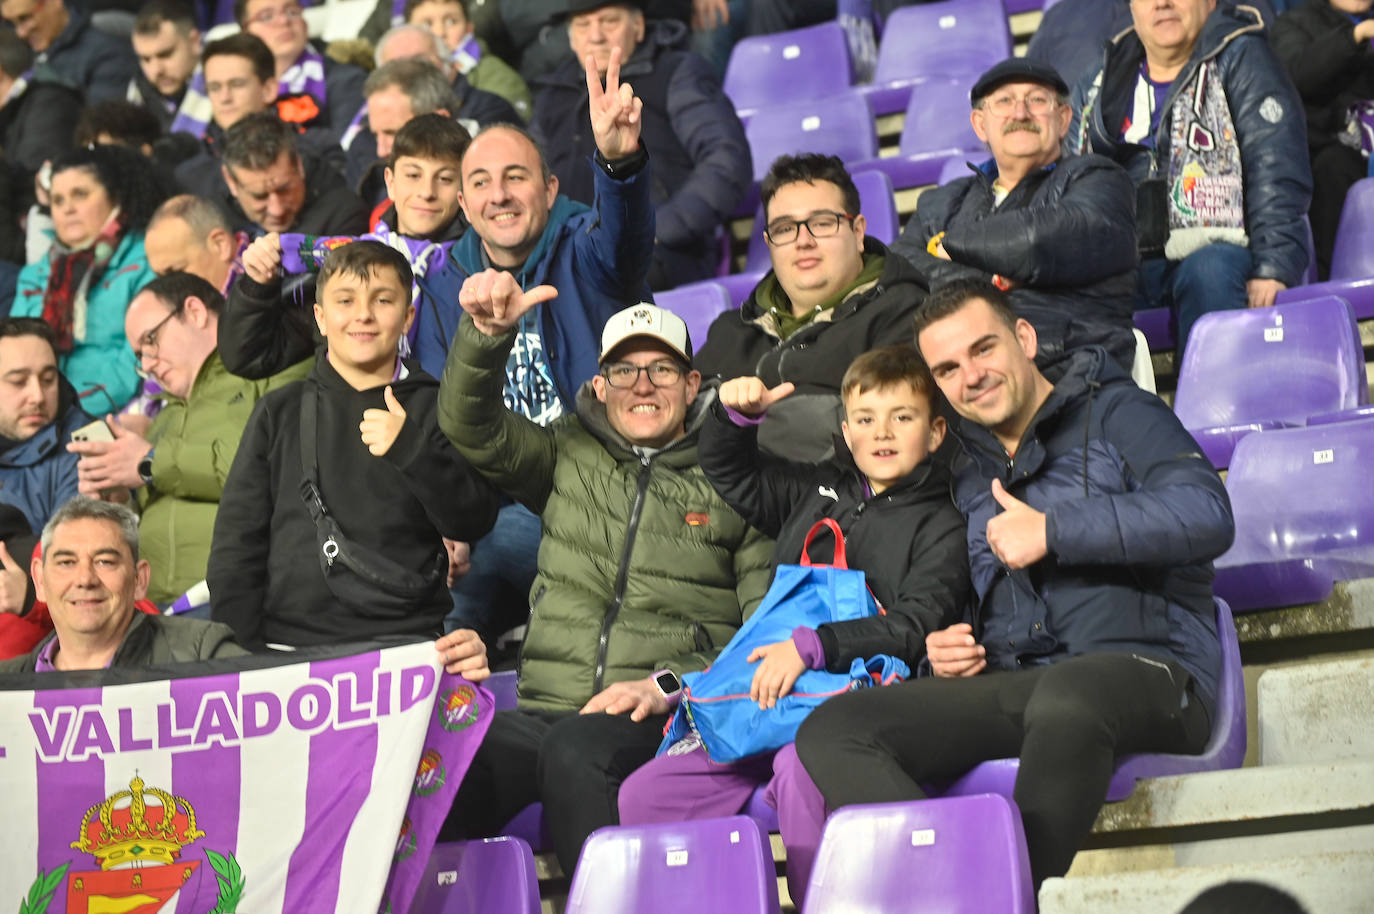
[[908, 541], [1316, 43], [1065, 235], [745, 342], [1264, 108], [94, 62], [702, 166]]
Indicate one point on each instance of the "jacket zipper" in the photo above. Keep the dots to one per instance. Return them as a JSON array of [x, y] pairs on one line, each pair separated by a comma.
[[622, 574], [529, 620]]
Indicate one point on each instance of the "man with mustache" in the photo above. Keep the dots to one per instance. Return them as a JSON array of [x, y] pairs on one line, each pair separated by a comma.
[[1057, 233]]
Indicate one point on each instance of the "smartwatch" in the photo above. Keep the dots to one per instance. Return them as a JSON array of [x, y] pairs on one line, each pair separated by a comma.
[[668, 684], [145, 468]]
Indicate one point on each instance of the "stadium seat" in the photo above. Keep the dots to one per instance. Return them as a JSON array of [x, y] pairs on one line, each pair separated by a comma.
[[676, 868], [878, 204], [767, 70], [739, 285], [1023, 6], [489, 876], [936, 41], [840, 125], [1303, 504], [1225, 749], [697, 304], [502, 688], [955, 167], [958, 855], [1353, 255], [937, 128], [1358, 293], [1258, 369]]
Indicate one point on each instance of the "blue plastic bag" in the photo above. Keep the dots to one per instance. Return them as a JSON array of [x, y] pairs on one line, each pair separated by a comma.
[[715, 702]]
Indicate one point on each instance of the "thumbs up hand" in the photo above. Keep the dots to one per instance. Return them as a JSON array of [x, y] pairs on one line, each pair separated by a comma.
[[750, 396], [380, 427], [1017, 535]]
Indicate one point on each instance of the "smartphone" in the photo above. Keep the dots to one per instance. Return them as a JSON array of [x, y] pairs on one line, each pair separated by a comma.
[[96, 431]]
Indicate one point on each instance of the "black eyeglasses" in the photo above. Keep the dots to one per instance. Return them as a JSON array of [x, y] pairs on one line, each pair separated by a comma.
[[623, 375], [820, 225], [148, 345]]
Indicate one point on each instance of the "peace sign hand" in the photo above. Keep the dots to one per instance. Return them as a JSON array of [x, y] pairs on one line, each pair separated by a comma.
[[615, 110]]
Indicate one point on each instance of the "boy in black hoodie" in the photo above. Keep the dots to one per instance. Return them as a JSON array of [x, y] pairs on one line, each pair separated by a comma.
[[359, 553], [901, 528]]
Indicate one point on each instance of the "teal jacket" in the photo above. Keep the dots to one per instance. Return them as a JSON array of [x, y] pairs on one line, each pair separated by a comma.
[[103, 359]]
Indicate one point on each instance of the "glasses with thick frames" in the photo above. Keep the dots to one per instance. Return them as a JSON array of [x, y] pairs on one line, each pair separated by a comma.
[[148, 344], [623, 375], [820, 225]]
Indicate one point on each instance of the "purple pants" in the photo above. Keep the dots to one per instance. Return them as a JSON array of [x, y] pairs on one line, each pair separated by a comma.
[[672, 788]]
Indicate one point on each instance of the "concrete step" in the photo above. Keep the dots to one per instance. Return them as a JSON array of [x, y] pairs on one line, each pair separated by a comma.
[[1327, 883], [1317, 712]]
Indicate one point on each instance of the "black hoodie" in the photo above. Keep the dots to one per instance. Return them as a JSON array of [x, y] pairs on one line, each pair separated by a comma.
[[265, 575]]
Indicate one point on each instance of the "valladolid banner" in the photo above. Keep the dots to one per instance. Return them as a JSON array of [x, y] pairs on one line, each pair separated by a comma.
[[316, 783]]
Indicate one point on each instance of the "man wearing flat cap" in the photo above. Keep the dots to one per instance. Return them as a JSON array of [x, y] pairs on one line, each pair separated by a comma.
[[1057, 232]]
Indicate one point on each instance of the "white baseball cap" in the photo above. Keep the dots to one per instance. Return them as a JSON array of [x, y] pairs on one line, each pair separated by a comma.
[[648, 320]]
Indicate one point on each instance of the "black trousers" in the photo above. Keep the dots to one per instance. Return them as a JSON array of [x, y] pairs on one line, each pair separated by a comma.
[[571, 763], [1334, 169], [1068, 722]]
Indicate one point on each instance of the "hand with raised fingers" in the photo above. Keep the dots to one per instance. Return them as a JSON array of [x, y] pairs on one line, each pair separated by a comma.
[[616, 111], [496, 301], [380, 427], [750, 396], [1017, 535]]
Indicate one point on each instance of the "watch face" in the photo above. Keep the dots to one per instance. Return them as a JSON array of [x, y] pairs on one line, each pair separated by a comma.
[[668, 682]]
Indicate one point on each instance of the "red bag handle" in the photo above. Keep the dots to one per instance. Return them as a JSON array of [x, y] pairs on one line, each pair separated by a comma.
[[825, 523]]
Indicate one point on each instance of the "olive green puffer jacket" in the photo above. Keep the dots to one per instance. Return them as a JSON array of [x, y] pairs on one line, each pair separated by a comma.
[[642, 566]]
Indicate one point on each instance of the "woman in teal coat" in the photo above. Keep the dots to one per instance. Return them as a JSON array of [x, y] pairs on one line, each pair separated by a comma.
[[102, 198]]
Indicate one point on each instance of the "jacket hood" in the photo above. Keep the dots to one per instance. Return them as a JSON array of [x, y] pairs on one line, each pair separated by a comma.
[[592, 413], [897, 270], [467, 253]]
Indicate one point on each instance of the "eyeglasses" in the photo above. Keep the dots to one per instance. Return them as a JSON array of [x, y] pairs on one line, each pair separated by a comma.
[[1004, 105], [820, 225], [623, 375], [267, 17], [148, 344]]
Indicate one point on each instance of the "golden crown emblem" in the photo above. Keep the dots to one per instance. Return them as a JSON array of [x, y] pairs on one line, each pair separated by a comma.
[[120, 833]]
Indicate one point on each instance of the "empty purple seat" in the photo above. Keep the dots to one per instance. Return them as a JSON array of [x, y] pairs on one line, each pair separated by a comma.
[[490, 876], [1225, 748], [1258, 369], [936, 41], [956, 855], [1303, 505], [739, 285], [878, 204], [1358, 293], [955, 167], [840, 125], [766, 70], [1353, 255], [687, 867], [1023, 6], [937, 128], [1158, 326], [697, 304]]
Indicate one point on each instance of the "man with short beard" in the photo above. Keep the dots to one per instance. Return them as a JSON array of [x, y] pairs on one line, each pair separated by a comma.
[[38, 413], [1059, 233]]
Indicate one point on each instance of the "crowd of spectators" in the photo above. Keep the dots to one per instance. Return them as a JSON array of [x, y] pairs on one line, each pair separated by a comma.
[[305, 354]]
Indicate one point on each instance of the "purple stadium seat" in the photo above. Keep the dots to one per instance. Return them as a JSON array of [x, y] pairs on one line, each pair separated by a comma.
[[1358, 293], [739, 285], [935, 41], [957, 855], [1302, 503], [840, 125], [1225, 749], [1158, 326], [1353, 255], [955, 167], [1258, 369], [502, 688], [697, 304], [766, 70], [1023, 6], [1340, 415], [758, 809], [937, 128], [491, 876], [686, 867], [878, 204]]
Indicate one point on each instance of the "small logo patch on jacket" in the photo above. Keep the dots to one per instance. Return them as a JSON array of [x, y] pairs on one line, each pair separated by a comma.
[[697, 519]]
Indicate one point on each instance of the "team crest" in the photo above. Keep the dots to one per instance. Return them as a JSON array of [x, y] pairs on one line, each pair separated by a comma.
[[405, 842], [458, 709], [138, 838], [430, 776]]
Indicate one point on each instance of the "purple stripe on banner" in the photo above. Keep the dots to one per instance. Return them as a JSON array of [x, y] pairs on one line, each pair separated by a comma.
[[339, 780], [208, 779], [65, 791]]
